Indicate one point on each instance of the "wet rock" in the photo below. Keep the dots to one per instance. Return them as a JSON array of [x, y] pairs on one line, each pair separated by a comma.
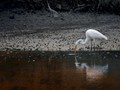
[[18, 11], [12, 17]]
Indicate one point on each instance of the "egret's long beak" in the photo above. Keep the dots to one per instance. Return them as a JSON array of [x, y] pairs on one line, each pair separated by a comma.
[[75, 49]]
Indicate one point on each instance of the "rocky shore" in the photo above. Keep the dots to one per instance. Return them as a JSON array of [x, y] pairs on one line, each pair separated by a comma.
[[41, 31]]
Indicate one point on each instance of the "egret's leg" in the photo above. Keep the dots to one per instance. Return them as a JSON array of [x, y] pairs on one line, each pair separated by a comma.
[[94, 45], [91, 45]]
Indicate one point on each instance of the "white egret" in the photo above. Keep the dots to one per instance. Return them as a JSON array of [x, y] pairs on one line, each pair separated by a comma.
[[91, 34]]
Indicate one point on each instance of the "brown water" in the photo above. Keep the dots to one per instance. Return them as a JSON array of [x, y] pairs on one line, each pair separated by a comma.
[[59, 71]]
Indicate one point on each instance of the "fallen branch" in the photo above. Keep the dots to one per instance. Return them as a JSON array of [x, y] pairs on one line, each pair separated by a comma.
[[55, 13], [81, 7]]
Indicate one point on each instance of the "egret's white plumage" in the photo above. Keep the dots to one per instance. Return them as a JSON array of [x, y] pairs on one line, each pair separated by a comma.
[[91, 34]]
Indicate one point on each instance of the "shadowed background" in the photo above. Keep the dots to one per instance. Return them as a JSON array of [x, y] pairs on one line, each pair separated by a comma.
[[112, 6]]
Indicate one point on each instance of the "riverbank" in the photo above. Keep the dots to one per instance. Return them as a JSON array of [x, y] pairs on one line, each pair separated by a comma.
[[41, 31]]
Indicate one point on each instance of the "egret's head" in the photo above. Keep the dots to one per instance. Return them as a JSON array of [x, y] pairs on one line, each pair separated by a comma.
[[75, 49], [80, 41]]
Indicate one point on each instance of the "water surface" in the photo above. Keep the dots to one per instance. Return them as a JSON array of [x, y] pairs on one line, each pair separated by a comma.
[[60, 70]]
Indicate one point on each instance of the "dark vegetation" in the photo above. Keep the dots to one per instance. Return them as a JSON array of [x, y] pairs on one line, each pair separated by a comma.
[[101, 6]]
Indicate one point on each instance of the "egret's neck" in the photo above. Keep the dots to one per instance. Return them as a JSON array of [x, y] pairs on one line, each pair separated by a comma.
[[85, 41], [81, 41]]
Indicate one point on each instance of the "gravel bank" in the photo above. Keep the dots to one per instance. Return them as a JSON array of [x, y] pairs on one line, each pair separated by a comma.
[[42, 32]]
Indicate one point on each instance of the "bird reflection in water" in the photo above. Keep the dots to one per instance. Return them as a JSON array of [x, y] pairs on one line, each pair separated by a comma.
[[93, 73]]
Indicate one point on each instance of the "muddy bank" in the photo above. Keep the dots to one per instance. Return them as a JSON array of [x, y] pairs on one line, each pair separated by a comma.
[[42, 32]]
